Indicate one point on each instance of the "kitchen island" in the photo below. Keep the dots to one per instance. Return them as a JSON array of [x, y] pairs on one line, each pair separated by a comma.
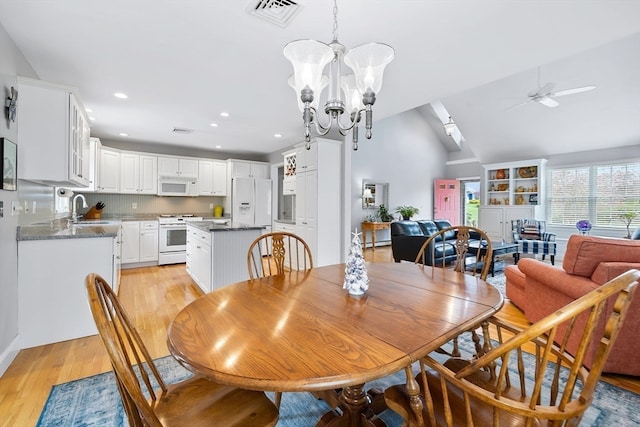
[[217, 253]]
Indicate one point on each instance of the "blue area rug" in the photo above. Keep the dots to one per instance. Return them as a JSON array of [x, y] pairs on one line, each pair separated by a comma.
[[94, 401]]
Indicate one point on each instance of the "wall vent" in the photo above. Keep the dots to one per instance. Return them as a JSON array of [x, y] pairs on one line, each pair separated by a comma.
[[183, 131], [279, 12]]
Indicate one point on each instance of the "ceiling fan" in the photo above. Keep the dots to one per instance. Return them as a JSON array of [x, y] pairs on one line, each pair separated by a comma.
[[545, 94]]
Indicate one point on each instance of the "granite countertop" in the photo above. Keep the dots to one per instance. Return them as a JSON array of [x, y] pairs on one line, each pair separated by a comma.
[[231, 226], [58, 229]]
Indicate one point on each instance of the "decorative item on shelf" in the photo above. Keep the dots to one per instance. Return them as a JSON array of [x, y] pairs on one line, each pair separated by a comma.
[[501, 174], [528, 172], [384, 214], [309, 58], [407, 211], [493, 187], [533, 199], [506, 200], [583, 226], [628, 218], [520, 189], [519, 199], [503, 187], [356, 280]]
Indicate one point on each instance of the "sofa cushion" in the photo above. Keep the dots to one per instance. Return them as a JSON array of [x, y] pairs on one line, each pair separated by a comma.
[[584, 253], [406, 228], [610, 270], [429, 228], [442, 224]]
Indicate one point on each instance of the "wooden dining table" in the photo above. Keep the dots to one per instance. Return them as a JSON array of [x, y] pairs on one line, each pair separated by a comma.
[[301, 331]]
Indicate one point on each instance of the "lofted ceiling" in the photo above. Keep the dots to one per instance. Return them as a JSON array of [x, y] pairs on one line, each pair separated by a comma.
[[183, 62]]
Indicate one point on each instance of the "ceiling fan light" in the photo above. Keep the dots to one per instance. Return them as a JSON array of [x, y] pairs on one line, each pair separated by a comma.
[[449, 127], [368, 62]]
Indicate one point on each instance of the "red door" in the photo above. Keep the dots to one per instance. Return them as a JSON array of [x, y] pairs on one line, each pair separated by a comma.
[[446, 200]]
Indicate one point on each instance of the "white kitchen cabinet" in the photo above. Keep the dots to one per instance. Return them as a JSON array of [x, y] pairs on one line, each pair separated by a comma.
[[52, 299], [244, 168], [54, 134], [289, 179], [109, 171], [199, 259], [139, 242], [130, 242], [496, 220], [306, 160], [318, 202], [212, 178], [117, 261], [138, 173], [148, 241], [178, 166]]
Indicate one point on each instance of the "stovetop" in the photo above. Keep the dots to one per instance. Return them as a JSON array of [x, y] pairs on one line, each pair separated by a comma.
[[177, 218]]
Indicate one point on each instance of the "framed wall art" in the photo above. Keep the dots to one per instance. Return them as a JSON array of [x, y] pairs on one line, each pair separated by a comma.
[[533, 199], [9, 152]]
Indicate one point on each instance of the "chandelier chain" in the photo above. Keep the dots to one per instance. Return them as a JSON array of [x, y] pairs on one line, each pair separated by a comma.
[[335, 20]]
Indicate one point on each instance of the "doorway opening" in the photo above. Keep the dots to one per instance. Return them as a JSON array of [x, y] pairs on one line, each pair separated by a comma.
[[471, 195]]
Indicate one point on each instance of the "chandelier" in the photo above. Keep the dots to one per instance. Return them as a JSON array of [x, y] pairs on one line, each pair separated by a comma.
[[348, 94]]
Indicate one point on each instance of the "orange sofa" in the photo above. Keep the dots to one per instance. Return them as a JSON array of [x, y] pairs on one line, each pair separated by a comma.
[[540, 289]]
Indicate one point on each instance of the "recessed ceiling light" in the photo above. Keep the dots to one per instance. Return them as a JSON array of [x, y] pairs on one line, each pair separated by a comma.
[[215, 125], [277, 135], [224, 114], [124, 134], [218, 146], [120, 95]]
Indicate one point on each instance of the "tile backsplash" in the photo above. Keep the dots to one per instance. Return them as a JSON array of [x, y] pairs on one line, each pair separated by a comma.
[[118, 204]]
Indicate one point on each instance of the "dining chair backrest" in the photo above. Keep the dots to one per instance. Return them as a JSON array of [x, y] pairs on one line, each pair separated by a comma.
[[125, 349], [191, 402], [274, 253], [467, 248], [507, 386]]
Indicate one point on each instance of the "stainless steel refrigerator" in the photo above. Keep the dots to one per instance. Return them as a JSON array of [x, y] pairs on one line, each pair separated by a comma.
[[251, 201]]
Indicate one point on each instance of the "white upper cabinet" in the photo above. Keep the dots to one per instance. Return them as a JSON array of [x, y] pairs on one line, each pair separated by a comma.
[[244, 168], [219, 178], [54, 134], [109, 171], [138, 173], [177, 166], [306, 160], [212, 178]]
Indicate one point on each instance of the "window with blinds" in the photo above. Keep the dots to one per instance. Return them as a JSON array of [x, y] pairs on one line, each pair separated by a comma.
[[599, 193]]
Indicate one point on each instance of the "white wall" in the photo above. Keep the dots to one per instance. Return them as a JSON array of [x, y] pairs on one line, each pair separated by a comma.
[[405, 152], [12, 63]]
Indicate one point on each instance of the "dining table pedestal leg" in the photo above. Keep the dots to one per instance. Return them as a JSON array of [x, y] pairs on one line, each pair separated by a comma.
[[355, 405]]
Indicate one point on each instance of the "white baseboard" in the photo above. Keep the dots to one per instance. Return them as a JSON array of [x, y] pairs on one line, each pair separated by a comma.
[[9, 355]]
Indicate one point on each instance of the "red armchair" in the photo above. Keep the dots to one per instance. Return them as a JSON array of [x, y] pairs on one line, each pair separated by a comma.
[[540, 289]]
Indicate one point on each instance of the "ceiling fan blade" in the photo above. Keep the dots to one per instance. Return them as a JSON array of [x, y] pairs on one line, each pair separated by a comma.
[[549, 102], [572, 91], [546, 89], [513, 107]]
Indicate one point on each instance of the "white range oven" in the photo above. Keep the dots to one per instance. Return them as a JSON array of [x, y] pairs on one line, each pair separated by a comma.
[[172, 238]]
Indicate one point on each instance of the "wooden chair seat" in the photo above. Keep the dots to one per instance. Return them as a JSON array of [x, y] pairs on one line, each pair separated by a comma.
[[194, 402], [200, 402]]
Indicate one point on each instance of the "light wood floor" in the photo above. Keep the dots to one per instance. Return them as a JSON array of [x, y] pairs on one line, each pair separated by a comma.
[[152, 296]]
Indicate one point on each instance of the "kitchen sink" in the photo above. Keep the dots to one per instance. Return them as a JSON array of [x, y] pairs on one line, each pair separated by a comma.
[[90, 223]]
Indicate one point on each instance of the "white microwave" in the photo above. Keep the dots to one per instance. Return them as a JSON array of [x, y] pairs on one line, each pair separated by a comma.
[[171, 186]]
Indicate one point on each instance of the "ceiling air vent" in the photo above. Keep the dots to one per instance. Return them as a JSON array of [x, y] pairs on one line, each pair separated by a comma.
[[183, 131], [279, 12]]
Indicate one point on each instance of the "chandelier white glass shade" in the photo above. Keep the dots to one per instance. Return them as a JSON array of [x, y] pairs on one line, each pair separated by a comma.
[[449, 127], [351, 93]]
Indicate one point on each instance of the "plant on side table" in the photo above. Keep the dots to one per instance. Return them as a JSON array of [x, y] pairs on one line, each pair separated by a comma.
[[384, 215], [407, 211]]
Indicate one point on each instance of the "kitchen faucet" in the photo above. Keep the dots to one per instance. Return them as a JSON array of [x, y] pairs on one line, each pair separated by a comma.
[[74, 215]]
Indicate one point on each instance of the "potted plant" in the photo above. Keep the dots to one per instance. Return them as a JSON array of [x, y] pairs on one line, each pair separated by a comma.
[[384, 215], [628, 218], [407, 211]]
